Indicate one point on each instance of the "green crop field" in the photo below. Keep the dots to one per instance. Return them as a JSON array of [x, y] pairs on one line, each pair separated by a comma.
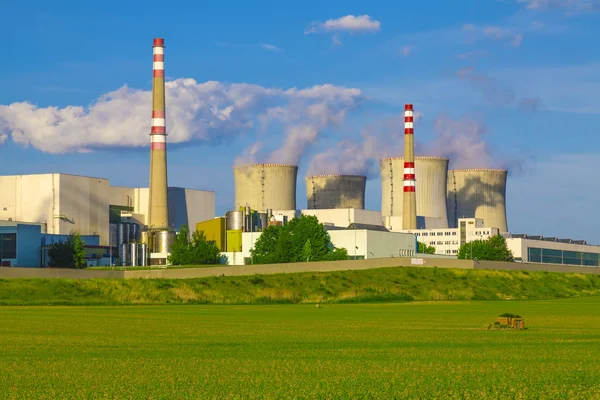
[[402, 350]]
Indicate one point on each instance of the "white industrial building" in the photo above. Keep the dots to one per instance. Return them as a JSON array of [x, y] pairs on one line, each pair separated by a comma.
[[448, 241], [343, 217], [552, 250], [63, 203], [361, 242]]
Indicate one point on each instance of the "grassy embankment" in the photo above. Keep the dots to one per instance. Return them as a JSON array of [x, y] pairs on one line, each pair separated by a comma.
[[376, 285], [418, 350]]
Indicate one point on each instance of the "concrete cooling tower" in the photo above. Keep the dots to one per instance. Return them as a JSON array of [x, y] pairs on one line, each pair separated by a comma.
[[478, 193], [335, 191], [265, 187], [431, 174]]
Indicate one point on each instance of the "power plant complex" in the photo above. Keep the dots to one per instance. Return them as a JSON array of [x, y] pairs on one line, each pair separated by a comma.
[[421, 200]]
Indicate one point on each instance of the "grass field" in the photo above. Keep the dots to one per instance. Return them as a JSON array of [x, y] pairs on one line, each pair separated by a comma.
[[374, 285], [415, 350]]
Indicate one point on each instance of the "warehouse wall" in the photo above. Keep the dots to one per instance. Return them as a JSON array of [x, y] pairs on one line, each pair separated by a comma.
[[84, 204]]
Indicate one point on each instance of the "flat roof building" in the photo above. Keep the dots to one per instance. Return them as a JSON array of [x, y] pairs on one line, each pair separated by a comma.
[[552, 250]]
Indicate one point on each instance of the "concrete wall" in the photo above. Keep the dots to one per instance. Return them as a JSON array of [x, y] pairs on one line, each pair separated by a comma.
[[184, 273]]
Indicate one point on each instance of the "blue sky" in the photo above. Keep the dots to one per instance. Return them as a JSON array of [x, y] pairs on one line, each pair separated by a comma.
[[513, 83]]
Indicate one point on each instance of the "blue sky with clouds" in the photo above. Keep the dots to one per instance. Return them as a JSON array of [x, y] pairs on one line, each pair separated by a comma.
[[513, 83]]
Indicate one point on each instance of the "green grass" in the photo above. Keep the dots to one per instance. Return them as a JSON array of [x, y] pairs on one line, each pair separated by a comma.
[[375, 285], [404, 350]]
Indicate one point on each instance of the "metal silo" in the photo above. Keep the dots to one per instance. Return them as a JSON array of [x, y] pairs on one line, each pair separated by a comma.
[[478, 193], [431, 174], [234, 220], [335, 191], [265, 186]]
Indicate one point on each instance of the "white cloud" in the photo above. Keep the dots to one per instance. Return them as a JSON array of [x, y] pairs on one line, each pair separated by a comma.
[[210, 111], [270, 47], [571, 5], [3, 138], [499, 33], [407, 50], [348, 23]]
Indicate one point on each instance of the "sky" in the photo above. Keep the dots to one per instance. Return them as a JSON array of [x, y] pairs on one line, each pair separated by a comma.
[[495, 83]]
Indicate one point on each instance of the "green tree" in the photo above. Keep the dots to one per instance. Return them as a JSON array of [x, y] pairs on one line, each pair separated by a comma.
[[492, 249], [425, 249], [180, 246], [69, 253], [302, 239], [265, 249], [193, 251], [307, 251], [78, 249]]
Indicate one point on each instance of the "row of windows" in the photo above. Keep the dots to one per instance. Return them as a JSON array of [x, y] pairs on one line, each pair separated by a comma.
[[481, 233], [453, 233], [440, 243], [549, 256], [451, 251], [8, 245]]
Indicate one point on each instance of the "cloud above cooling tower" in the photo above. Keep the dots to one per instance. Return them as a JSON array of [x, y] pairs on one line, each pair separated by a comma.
[[210, 111]]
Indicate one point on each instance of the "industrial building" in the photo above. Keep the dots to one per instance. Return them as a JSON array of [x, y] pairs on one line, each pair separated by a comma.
[[335, 191], [265, 187], [431, 175], [62, 203], [477, 193], [552, 250], [20, 244], [448, 241]]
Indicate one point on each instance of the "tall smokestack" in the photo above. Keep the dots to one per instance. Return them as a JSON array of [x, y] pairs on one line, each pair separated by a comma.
[[409, 210], [158, 213]]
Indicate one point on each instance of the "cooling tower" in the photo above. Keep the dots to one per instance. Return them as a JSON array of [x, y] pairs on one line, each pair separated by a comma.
[[265, 187], [431, 174], [478, 193], [335, 191]]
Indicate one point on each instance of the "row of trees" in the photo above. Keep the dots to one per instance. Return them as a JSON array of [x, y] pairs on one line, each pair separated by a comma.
[[491, 249], [303, 239]]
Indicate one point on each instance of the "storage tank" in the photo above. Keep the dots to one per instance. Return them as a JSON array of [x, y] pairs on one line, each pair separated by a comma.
[[123, 254], [163, 241], [126, 232], [121, 234], [335, 191], [133, 254], [264, 220], [431, 185], [134, 233], [143, 253], [478, 193], [265, 186], [234, 220]]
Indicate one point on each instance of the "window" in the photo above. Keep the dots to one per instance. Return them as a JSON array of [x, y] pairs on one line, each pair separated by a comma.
[[8, 245], [453, 233], [454, 251], [440, 233], [425, 234], [551, 256], [440, 243]]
